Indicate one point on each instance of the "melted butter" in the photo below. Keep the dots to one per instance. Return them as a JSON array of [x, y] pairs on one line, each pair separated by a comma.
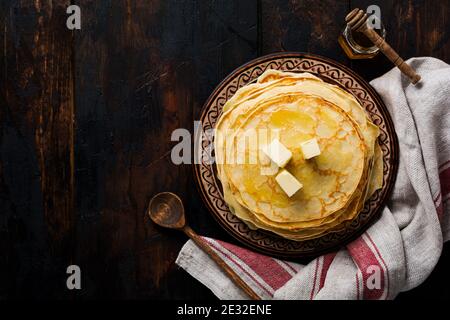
[[293, 138], [291, 118], [265, 193], [280, 199], [308, 177], [252, 180]]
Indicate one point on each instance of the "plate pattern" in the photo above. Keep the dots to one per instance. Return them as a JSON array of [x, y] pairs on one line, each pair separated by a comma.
[[332, 72]]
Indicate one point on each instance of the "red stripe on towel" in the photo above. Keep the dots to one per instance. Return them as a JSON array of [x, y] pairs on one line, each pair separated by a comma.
[[439, 204], [314, 281], [384, 263], [368, 264], [259, 284], [440, 210], [265, 267], [445, 163], [444, 177], [327, 260], [357, 286], [288, 265]]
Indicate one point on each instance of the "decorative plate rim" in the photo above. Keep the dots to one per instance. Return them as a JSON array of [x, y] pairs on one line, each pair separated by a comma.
[[266, 242]]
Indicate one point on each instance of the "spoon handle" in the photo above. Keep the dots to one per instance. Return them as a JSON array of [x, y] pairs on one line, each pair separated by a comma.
[[390, 53], [219, 261]]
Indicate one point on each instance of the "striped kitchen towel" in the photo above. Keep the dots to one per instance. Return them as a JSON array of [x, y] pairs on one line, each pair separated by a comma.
[[400, 250]]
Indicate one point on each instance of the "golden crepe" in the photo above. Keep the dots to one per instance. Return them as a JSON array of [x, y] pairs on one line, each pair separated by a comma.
[[294, 108]]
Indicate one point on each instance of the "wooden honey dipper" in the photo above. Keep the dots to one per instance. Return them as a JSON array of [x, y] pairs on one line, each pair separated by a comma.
[[356, 20]]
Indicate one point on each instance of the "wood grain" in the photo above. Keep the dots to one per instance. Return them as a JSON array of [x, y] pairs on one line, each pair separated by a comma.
[[37, 149], [303, 25], [152, 64], [86, 117], [413, 28]]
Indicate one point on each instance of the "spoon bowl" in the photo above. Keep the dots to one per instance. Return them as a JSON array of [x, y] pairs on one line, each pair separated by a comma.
[[166, 209]]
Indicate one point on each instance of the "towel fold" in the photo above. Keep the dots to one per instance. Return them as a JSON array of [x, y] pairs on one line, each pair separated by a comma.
[[400, 250]]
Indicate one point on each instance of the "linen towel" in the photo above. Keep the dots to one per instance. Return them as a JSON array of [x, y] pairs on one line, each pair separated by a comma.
[[400, 250]]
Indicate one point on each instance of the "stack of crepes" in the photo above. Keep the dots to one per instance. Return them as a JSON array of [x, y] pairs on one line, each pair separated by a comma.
[[296, 107]]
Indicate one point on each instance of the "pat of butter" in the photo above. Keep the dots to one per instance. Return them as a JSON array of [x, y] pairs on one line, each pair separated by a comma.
[[269, 170], [310, 148], [278, 153], [268, 167], [288, 183]]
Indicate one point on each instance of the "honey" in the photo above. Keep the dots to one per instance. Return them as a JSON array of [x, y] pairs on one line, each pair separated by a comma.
[[357, 46]]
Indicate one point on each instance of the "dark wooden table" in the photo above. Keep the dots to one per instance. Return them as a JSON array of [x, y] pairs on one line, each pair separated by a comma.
[[86, 118]]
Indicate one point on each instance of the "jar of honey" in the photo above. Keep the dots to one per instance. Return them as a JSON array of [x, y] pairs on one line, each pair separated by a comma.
[[356, 45]]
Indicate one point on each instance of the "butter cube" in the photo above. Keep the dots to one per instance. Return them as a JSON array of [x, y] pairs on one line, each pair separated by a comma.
[[269, 170], [288, 183], [264, 160], [310, 148], [268, 167], [278, 153]]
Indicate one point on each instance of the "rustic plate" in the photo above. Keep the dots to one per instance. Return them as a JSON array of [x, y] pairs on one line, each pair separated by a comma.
[[332, 72]]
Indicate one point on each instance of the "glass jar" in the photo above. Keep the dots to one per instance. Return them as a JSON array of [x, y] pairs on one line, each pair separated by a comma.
[[356, 45]]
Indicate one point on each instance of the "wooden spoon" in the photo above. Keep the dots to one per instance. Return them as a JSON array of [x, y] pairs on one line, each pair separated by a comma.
[[166, 209]]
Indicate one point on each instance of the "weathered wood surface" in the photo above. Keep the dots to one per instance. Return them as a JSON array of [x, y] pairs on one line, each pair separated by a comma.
[[86, 118], [37, 216]]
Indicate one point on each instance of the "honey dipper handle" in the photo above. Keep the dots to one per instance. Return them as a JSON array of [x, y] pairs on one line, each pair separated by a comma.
[[225, 267], [392, 55]]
